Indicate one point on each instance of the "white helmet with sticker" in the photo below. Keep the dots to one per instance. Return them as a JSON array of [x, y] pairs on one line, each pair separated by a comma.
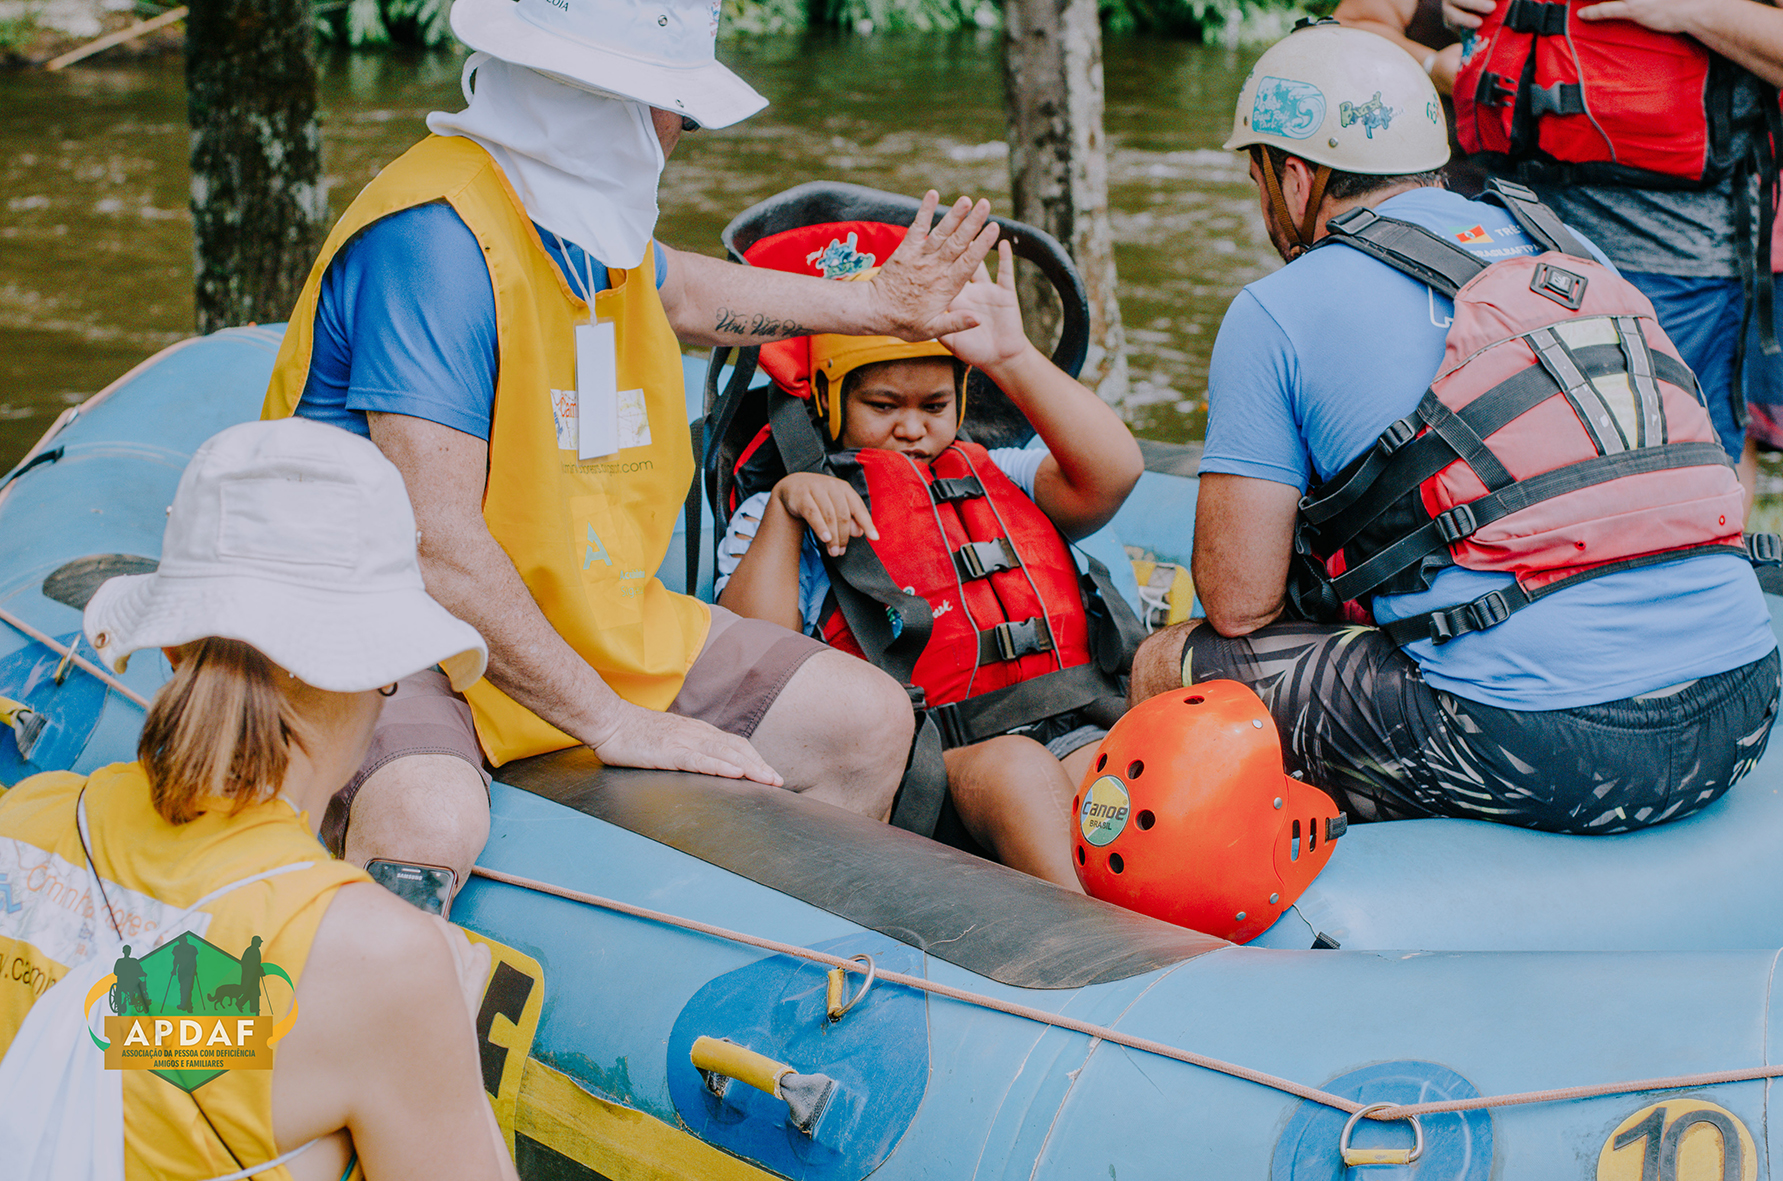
[[1343, 98]]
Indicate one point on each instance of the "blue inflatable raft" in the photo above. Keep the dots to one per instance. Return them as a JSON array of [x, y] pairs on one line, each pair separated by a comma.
[[1453, 959]]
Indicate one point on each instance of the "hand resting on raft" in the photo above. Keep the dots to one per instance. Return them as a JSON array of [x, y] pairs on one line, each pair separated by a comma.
[[473, 577], [1094, 460]]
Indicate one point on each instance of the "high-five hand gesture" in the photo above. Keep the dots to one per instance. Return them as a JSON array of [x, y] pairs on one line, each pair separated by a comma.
[[998, 337], [913, 290]]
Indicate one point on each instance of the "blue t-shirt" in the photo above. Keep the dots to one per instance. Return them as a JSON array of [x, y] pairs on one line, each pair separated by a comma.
[[406, 322], [1314, 361]]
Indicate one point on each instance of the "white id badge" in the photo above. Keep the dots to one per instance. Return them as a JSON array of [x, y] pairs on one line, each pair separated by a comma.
[[597, 390]]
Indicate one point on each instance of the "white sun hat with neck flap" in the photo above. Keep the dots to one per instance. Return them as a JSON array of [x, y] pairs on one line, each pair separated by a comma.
[[296, 538], [658, 52]]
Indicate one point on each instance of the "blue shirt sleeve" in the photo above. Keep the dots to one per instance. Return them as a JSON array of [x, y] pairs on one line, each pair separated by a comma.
[[406, 325], [1252, 422]]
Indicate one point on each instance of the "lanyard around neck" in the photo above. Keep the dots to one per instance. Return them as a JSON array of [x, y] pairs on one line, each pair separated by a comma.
[[587, 293]]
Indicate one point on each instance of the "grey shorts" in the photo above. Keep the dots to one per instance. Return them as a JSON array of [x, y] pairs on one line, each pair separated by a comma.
[[740, 672]]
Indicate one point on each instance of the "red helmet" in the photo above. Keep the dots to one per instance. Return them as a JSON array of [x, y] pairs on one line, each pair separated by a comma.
[[1186, 816]]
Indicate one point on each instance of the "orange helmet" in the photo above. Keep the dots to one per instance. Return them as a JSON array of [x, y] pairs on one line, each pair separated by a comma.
[[1186, 816]]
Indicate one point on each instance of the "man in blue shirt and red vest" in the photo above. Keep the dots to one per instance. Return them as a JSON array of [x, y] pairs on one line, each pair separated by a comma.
[[1611, 669]]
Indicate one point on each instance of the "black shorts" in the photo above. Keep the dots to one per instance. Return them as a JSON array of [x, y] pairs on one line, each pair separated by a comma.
[[1358, 719]]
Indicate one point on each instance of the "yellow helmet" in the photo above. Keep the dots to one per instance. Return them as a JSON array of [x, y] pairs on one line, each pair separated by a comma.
[[833, 358]]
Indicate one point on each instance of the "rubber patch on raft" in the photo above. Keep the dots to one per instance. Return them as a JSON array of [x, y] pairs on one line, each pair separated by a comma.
[[71, 708], [878, 1054], [1457, 1145]]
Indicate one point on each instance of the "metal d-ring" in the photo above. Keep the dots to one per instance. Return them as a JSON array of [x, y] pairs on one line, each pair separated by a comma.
[[838, 1012], [1379, 1156]]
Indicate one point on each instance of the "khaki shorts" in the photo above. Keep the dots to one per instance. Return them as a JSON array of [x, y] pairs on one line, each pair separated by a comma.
[[741, 671]]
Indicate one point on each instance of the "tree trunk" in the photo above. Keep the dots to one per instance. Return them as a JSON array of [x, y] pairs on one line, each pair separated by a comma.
[[259, 207], [1058, 167]]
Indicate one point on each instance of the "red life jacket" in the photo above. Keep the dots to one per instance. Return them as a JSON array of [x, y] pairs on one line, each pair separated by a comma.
[[1609, 102], [1562, 439], [998, 578]]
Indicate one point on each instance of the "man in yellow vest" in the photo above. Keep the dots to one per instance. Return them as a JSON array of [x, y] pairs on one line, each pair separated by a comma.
[[493, 313]]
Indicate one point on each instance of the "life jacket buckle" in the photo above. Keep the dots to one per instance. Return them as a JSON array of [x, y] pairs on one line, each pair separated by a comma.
[[1488, 610], [1562, 98], [1016, 640], [1494, 90], [946, 491], [1352, 221], [1764, 549], [1396, 436], [1559, 285], [1455, 524], [980, 559], [1536, 16]]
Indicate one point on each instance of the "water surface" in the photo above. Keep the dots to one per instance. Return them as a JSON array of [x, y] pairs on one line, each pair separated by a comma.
[[95, 238]]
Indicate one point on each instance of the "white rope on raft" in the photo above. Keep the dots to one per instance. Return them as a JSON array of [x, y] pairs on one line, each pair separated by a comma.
[[68, 653], [1350, 1106]]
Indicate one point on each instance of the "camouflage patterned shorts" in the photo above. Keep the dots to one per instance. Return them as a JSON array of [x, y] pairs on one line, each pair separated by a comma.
[[1358, 719]]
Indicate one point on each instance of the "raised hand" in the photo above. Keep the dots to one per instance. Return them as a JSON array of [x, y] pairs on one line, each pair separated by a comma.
[[830, 507], [913, 290], [1466, 14], [998, 336]]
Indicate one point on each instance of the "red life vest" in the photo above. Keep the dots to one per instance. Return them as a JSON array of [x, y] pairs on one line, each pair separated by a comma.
[[1001, 584], [1562, 439], [1609, 102]]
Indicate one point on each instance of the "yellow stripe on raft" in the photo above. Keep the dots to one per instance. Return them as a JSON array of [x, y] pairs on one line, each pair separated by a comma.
[[614, 1141]]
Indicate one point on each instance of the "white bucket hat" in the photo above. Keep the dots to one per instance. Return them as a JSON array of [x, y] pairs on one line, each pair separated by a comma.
[[658, 52], [297, 538]]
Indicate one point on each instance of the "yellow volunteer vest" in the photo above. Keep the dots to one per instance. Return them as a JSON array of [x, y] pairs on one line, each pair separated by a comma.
[[587, 538], [152, 871]]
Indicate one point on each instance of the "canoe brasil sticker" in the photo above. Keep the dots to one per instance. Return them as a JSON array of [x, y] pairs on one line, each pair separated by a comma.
[[1287, 107], [1679, 1140], [189, 1011], [1104, 813]]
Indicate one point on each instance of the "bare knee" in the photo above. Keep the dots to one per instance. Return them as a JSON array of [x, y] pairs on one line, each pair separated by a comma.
[[430, 809], [1157, 666], [840, 732]]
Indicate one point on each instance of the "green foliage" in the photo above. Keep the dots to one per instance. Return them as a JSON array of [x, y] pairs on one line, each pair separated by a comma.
[[1226, 22], [385, 22]]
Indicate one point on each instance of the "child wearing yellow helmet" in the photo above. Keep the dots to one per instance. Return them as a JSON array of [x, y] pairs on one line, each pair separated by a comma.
[[876, 394]]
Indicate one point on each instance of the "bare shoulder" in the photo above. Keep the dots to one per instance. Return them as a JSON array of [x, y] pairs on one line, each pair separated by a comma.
[[367, 929]]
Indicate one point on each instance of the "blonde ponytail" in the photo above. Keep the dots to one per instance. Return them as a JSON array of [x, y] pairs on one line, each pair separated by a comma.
[[221, 727]]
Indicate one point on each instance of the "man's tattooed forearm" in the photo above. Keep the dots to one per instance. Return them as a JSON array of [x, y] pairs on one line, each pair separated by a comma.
[[746, 324]]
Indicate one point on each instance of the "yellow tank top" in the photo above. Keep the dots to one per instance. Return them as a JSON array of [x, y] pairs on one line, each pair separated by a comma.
[[152, 871], [586, 537]]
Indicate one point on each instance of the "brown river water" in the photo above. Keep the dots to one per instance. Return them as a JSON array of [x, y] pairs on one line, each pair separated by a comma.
[[95, 238]]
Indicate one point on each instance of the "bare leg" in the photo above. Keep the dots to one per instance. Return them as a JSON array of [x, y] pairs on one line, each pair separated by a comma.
[[1157, 666], [431, 809], [839, 732], [1077, 766], [1014, 799]]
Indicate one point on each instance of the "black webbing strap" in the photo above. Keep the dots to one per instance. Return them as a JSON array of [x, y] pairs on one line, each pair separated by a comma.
[[891, 627], [1535, 16], [1464, 520], [1014, 640], [1535, 219], [694, 518], [1115, 632], [1465, 442], [1408, 248], [1560, 98], [956, 488], [721, 414], [1342, 506], [981, 559], [987, 715], [1494, 607]]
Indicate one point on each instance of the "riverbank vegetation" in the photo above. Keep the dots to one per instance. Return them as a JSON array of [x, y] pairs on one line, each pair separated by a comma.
[[1227, 22]]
